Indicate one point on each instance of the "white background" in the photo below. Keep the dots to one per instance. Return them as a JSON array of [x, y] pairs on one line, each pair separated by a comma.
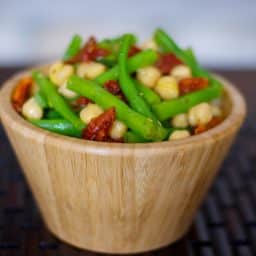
[[223, 33]]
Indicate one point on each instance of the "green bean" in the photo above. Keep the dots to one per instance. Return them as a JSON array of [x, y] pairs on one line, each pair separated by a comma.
[[126, 83], [53, 114], [113, 44], [149, 95], [56, 101], [138, 123], [73, 47], [60, 126], [109, 60], [41, 100], [140, 60], [197, 70], [167, 44], [131, 137], [170, 108]]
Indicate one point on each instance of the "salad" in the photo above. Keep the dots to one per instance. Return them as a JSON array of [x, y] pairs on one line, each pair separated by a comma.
[[116, 90]]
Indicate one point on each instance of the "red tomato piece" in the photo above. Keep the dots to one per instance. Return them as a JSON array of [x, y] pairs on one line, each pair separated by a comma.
[[203, 128], [187, 85], [113, 87], [167, 62], [21, 93], [89, 52], [98, 128], [133, 51]]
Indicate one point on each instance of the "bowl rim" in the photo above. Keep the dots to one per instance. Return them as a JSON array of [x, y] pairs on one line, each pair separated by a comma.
[[231, 123]]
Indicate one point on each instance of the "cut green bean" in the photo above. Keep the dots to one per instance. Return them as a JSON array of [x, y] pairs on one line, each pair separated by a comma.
[[138, 123], [126, 83], [53, 114], [149, 95], [131, 137], [109, 61], [56, 101], [167, 44], [41, 99], [73, 47], [196, 68], [113, 44], [60, 126], [142, 59], [170, 108]]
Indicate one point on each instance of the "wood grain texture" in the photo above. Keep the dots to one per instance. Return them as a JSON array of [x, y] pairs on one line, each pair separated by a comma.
[[119, 198]]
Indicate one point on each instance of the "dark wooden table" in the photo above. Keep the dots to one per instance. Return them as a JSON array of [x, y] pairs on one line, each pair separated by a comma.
[[225, 224]]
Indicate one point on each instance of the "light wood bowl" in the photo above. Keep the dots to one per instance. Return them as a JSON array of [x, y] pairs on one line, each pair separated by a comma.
[[119, 198]]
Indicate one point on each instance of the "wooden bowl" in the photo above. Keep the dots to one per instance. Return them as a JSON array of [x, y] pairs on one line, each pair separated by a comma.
[[119, 198]]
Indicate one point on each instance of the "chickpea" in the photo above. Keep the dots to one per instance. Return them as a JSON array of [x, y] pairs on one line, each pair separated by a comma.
[[148, 76], [90, 70], [181, 71], [31, 109], [63, 90], [200, 114], [60, 72], [180, 121], [181, 134], [89, 112], [117, 130], [167, 87]]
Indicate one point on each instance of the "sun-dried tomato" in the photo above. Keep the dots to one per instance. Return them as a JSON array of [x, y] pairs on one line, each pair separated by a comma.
[[21, 93], [203, 128], [167, 62], [133, 51], [113, 87], [199, 129], [214, 122], [80, 102], [187, 85], [98, 128], [89, 52], [99, 53]]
